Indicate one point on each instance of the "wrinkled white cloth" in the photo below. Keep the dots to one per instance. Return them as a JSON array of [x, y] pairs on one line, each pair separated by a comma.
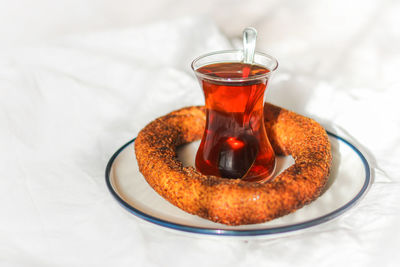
[[67, 105]]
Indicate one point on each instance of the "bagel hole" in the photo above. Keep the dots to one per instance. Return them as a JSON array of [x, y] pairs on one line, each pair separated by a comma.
[[187, 153]]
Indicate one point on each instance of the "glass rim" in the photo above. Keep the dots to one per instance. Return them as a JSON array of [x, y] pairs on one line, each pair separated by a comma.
[[252, 78]]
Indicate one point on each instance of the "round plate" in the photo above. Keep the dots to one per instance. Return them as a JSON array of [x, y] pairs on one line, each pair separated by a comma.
[[350, 177]]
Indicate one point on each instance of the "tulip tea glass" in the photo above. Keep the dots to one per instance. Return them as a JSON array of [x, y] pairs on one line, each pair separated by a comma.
[[235, 143]]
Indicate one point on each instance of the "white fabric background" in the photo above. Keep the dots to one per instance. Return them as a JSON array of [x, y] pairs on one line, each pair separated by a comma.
[[68, 102]]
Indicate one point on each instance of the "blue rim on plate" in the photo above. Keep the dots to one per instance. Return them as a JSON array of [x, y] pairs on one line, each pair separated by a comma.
[[251, 232]]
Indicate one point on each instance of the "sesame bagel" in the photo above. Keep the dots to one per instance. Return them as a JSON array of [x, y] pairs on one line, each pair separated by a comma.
[[234, 201]]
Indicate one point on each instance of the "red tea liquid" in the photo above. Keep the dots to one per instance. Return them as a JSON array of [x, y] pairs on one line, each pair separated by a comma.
[[235, 143]]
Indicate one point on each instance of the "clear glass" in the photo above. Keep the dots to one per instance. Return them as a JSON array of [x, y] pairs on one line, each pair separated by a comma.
[[235, 143]]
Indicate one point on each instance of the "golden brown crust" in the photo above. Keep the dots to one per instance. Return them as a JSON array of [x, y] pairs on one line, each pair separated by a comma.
[[233, 201]]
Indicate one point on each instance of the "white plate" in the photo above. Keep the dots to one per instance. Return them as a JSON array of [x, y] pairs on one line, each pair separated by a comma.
[[350, 177]]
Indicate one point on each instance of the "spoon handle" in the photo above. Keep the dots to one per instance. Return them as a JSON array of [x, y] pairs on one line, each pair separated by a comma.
[[249, 44]]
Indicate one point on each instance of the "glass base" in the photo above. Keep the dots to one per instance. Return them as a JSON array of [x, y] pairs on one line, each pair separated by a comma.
[[261, 178]]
